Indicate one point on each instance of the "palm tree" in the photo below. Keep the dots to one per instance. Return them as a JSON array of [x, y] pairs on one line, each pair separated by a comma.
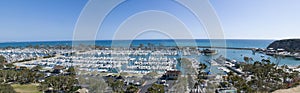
[[248, 59]]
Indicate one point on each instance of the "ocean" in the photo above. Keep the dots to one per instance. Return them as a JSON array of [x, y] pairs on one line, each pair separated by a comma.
[[231, 54]]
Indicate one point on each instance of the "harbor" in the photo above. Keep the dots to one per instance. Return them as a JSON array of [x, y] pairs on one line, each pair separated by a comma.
[[143, 66]]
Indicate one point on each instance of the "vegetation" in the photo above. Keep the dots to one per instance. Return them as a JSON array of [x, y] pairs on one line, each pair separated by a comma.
[[263, 77], [201, 76], [291, 45], [124, 74], [181, 85], [26, 88], [248, 59], [72, 71], [132, 89], [19, 76], [2, 61], [116, 85], [37, 68], [95, 84], [60, 83], [6, 88], [152, 75], [156, 88]]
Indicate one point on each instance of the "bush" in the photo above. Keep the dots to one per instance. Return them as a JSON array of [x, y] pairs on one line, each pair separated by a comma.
[[6, 88]]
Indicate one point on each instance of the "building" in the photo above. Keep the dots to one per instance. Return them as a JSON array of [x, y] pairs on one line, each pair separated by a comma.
[[172, 74], [58, 69]]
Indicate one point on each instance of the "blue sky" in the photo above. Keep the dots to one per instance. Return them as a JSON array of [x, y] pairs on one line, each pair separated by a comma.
[[47, 20]]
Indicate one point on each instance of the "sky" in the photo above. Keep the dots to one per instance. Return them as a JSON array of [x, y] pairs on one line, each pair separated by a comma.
[[51, 20]]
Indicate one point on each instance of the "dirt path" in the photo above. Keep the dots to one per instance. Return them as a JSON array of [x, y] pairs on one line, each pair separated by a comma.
[[290, 90]]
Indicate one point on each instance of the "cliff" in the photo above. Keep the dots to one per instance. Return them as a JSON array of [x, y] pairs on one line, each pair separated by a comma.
[[291, 45]]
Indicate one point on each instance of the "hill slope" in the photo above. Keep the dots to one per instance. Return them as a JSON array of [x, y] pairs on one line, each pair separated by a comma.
[[291, 45]]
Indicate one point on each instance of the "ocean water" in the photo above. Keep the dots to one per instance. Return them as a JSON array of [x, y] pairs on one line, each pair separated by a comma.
[[231, 54], [164, 42]]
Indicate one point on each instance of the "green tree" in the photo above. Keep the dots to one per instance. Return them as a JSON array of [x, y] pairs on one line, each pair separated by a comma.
[[152, 74], [6, 88], [37, 68], [141, 46], [72, 70], [2, 61], [131, 89], [60, 83], [117, 86], [10, 65], [96, 84], [156, 88], [248, 59]]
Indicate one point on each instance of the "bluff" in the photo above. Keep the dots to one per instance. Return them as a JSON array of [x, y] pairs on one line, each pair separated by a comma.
[[291, 45]]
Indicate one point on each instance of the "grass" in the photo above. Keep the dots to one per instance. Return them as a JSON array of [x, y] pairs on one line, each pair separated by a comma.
[[27, 88]]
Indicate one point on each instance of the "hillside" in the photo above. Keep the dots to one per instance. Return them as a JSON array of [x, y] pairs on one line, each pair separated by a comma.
[[291, 45]]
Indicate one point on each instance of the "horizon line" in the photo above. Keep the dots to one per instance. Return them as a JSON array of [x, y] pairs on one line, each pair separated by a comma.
[[127, 40]]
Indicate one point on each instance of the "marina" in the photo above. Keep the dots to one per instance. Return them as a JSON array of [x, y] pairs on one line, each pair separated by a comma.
[[145, 59], [124, 64]]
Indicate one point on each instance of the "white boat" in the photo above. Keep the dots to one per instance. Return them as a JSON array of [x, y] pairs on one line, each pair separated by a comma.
[[297, 57]]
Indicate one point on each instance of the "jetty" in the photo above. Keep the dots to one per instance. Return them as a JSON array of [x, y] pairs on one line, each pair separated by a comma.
[[235, 48]]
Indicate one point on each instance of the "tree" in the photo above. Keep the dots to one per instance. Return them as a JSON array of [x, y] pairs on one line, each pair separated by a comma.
[[248, 59], [72, 70], [37, 68], [117, 86], [141, 46], [96, 84], [131, 89], [152, 75], [61, 83], [36, 46], [10, 65], [2, 61], [181, 85], [156, 88], [6, 88], [201, 74], [124, 74]]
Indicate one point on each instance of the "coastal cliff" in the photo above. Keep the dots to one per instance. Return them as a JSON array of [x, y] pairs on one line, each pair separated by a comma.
[[291, 45]]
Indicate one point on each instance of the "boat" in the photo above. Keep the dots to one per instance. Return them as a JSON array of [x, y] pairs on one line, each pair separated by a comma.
[[297, 57]]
